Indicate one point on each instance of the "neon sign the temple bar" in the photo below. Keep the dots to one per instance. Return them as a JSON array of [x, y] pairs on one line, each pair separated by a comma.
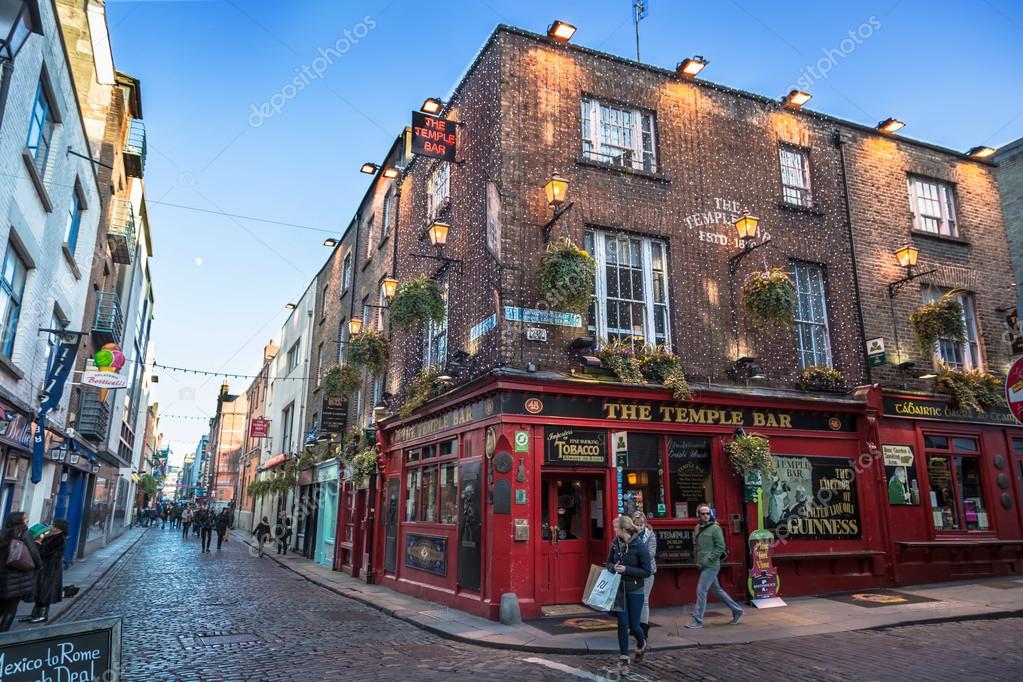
[[433, 136]]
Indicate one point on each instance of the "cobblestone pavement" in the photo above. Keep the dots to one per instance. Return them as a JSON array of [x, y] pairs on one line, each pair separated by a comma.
[[230, 616]]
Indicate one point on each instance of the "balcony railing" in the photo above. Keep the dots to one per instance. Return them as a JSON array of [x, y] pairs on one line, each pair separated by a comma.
[[109, 323], [93, 416], [121, 236], [135, 149]]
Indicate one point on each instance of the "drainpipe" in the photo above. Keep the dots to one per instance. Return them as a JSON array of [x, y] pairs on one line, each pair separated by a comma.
[[840, 142]]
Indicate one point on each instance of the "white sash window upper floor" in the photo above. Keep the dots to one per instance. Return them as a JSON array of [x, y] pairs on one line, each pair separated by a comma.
[[933, 206], [618, 136]]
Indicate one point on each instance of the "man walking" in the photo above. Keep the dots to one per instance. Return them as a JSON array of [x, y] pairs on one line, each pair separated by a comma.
[[710, 548], [203, 520], [223, 521], [283, 532], [186, 521]]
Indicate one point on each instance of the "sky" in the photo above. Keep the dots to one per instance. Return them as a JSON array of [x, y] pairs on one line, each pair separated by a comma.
[[266, 109]]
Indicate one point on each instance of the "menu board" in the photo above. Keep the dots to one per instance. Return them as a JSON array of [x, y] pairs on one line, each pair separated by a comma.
[[674, 547], [689, 473]]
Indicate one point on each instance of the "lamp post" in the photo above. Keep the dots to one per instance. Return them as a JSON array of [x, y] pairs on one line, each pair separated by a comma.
[[556, 192]]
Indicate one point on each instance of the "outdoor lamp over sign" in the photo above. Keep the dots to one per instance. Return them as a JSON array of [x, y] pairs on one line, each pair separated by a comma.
[[561, 31], [438, 233], [691, 66], [389, 286], [981, 152], [354, 326], [432, 106], [890, 125], [17, 21], [556, 190], [369, 168], [390, 172], [797, 98], [907, 255]]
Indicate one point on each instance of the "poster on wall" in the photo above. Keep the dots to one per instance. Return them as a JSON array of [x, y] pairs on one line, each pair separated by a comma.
[[427, 553], [812, 498], [470, 514], [900, 473]]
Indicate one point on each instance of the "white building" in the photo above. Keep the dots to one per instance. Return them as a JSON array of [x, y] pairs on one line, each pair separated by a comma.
[[50, 203]]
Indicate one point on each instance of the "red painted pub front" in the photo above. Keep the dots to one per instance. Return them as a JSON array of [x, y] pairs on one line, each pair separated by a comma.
[[513, 486]]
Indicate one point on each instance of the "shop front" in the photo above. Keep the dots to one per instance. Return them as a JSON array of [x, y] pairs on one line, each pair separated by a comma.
[[515, 490], [954, 483], [326, 475], [15, 458]]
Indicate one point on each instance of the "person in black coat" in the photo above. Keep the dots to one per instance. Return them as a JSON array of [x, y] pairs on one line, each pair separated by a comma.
[[262, 533], [630, 558], [223, 523], [50, 578], [15, 585]]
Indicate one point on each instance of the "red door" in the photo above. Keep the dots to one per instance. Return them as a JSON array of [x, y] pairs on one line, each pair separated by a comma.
[[572, 513]]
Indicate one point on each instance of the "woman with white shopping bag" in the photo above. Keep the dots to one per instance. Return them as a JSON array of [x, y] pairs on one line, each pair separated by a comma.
[[630, 559]]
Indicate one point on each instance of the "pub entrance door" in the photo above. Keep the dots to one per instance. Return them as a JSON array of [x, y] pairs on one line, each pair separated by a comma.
[[572, 534]]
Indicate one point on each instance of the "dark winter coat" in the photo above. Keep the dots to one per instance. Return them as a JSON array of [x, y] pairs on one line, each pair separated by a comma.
[[636, 559], [202, 518], [223, 522], [50, 578], [15, 583], [262, 531]]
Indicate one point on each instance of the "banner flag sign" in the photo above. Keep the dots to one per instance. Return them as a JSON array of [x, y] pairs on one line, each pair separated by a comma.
[[53, 388]]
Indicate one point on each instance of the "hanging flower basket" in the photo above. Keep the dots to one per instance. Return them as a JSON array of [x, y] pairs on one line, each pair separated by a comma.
[[370, 350], [420, 391], [750, 452], [341, 380], [660, 365], [769, 298], [622, 359], [971, 389], [361, 466], [821, 380], [566, 276], [941, 319], [416, 302]]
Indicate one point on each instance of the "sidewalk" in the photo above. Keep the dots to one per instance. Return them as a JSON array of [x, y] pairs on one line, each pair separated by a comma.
[[85, 573], [982, 599]]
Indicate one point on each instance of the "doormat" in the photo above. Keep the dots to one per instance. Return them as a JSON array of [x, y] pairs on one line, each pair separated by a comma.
[[1004, 586], [557, 610], [594, 621], [876, 598]]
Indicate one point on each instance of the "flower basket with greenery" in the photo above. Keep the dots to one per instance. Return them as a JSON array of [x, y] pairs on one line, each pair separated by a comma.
[[369, 349], [420, 391], [416, 302], [971, 389], [148, 484], [622, 358], [750, 452], [660, 365], [566, 276], [940, 319], [361, 466], [258, 489], [769, 297], [341, 380], [821, 379]]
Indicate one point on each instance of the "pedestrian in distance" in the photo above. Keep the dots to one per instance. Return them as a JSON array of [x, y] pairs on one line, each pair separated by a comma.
[[283, 532], [19, 561], [223, 521], [710, 549], [203, 519], [50, 578], [163, 517], [186, 521], [262, 533], [649, 538], [629, 557]]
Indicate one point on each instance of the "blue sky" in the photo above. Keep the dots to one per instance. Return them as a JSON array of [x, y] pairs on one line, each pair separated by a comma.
[[227, 133]]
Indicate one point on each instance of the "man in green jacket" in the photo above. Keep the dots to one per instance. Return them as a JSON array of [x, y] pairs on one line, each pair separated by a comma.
[[710, 547]]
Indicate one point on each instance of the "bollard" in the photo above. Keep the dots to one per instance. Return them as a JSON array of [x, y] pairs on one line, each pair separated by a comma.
[[510, 613]]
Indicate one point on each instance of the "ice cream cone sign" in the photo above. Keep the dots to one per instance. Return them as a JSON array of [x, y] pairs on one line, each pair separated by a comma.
[[108, 359]]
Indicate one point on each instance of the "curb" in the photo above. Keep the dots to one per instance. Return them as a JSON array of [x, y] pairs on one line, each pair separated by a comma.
[[528, 648], [86, 590]]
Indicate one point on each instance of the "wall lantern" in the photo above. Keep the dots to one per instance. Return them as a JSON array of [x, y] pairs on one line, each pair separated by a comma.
[[981, 152], [389, 286], [907, 255], [432, 106], [390, 172], [438, 233], [691, 66], [354, 326], [746, 226], [561, 31], [797, 98], [890, 125], [556, 190], [369, 168]]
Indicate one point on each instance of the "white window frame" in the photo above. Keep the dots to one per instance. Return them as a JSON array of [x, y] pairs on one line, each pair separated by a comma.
[[933, 205], [818, 357], [796, 187], [346, 271], [438, 190], [436, 350], [292, 357], [945, 349], [639, 123], [390, 200], [646, 259], [342, 346], [370, 228], [319, 365]]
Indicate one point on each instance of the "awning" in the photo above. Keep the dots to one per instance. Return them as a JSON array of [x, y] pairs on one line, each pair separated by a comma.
[[276, 460]]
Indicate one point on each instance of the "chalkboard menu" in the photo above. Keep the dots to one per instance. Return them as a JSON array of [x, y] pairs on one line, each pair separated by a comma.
[[674, 547], [83, 651], [689, 473]]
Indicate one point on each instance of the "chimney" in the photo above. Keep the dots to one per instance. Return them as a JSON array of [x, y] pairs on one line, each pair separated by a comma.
[[269, 351]]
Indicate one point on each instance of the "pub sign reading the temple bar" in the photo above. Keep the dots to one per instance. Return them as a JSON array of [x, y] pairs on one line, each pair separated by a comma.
[[432, 136]]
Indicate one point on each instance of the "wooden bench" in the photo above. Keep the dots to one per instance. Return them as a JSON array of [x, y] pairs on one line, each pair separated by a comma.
[[864, 555], [956, 546]]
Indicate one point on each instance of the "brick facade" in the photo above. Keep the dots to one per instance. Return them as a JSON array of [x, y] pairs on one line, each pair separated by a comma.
[[1010, 184]]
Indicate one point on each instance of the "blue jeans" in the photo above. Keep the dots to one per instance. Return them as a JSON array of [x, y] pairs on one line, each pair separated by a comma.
[[709, 581], [628, 619]]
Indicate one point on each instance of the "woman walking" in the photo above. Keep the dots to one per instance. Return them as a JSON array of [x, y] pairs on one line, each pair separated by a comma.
[[262, 533], [50, 578], [19, 561], [629, 557], [649, 538]]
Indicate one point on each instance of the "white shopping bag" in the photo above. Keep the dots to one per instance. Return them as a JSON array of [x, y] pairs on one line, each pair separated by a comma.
[[604, 592]]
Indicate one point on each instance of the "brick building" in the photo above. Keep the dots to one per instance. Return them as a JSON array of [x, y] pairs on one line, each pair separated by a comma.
[[1010, 184], [227, 438], [255, 448]]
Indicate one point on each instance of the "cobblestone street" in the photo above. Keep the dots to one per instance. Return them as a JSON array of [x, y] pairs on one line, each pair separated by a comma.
[[231, 616]]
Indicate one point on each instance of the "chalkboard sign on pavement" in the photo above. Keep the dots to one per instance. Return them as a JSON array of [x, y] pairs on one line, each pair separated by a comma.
[[80, 652]]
